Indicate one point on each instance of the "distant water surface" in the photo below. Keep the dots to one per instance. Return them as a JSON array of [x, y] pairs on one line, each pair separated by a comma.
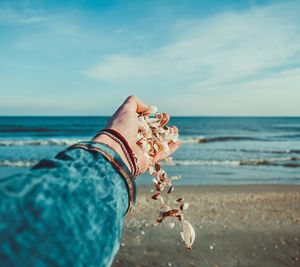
[[216, 150]]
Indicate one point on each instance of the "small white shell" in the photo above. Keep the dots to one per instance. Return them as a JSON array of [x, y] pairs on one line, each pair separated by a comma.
[[169, 160], [165, 208], [184, 206], [147, 156], [188, 234], [154, 180], [152, 120], [182, 236], [152, 109], [151, 170], [171, 225], [156, 148], [166, 147]]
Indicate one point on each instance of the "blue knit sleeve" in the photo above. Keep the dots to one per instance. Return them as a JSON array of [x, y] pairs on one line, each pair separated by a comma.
[[66, 211]]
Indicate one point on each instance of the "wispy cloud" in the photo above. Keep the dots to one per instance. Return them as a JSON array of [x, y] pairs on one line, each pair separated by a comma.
[[226, 50], [12, 16]]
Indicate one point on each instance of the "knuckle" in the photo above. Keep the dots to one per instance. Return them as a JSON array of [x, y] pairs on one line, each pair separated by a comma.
[[131, 98]]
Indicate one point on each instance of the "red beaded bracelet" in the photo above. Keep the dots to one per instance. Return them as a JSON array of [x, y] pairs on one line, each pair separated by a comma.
[[129, 154]]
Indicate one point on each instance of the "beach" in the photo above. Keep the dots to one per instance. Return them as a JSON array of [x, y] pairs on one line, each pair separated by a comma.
[[229, 166], [241, 225]]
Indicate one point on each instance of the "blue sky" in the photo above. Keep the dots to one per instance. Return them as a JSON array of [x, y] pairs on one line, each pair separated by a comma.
[[187, 57]]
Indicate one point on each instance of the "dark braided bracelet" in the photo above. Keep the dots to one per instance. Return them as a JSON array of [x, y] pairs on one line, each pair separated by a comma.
[[129, 154]]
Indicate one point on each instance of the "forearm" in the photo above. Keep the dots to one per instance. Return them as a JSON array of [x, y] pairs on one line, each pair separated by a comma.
[[66, 212]]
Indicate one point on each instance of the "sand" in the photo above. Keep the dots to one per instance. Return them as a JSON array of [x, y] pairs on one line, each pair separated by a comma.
[[235, 226]]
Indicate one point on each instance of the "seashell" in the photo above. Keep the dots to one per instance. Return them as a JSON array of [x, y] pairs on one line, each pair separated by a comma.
[[153, 138], [151, 170], [169, 160], [139, 136], [158, 147], [180, 217], [146, 148], [152, 121], [159, 220], [141, 120], [173, 213], [188, 234], [154, 180], [159, 187], [143, 125], [147, 156], [171, 225], [162, 175], [156, 196], [184, 206], [152, 109], [157, 167], [171, 189], [165, 208], [182, 236], [164, 119], [167, 182], [166, 147], [181, 199], [158, 116], [148, 135]]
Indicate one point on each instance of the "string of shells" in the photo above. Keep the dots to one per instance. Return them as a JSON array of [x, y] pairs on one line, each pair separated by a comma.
[[153, 138]]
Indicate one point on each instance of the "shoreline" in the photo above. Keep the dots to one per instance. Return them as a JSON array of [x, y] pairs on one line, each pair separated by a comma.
[[236, 188]]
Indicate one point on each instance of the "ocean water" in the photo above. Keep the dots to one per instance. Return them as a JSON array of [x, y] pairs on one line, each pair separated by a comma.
[[215, 150]]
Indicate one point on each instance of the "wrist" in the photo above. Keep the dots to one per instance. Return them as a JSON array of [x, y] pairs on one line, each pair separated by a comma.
[[104, 139]]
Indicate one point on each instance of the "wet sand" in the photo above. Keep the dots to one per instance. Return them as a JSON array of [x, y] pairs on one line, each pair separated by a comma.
[[235, 226]]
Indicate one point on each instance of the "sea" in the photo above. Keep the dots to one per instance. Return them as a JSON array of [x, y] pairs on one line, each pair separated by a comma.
[[215, 150]]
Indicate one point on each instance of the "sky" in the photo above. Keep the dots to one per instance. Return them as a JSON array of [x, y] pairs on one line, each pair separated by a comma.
[[188, 57]]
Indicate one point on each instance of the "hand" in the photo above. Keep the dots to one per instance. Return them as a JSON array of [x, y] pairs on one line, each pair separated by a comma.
[[126, 123]]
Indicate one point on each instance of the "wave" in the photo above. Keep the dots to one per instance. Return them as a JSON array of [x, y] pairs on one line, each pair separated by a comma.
[[45, 130], [284, 161], [290, 136], [45, 142], [185, 140], [67, 141], [202, 139], [271, 151]]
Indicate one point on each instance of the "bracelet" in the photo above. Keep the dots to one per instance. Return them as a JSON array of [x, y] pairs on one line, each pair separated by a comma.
[[125, 151], [129, 154]]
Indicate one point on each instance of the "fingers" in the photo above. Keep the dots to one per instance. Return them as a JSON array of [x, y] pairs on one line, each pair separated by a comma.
[[174, 129], [135, 104]]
